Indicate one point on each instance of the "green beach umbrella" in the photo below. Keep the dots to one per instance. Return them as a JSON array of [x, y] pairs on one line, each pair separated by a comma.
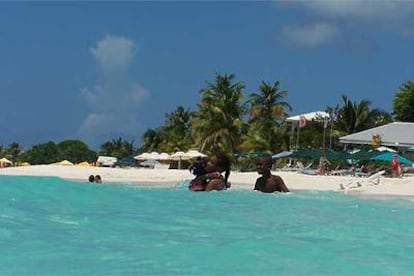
[[387, 156], [307, 153]]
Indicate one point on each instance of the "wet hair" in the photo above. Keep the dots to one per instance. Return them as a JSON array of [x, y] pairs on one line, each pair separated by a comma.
[[223, 161], [91, 178], [198, 166], [98, 178]]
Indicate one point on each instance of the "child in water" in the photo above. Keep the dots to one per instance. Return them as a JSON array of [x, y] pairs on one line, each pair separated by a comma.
[[268, 183]]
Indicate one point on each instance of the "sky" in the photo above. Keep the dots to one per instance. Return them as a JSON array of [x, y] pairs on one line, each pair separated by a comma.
[[96, 71]]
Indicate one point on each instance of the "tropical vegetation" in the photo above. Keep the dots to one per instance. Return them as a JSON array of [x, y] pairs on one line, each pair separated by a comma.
[[225, 121], [404, 102]]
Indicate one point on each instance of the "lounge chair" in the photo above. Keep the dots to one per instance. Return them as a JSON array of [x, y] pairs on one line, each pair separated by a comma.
[[287, 167], [373, 179], [307, 169]]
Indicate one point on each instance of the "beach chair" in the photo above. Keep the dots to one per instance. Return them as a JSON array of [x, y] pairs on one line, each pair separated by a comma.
[[287, 167], [307, 169], [373, 179], [308, 166], [302, 167]]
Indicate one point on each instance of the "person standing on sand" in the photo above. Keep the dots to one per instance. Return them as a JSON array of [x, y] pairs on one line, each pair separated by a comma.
[[395, 166], [268, 183]]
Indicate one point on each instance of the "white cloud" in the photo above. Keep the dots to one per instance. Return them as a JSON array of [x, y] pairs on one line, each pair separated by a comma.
[[352, 21], [309, 36], [372, 10], [115, 99], [395, 16], [114, 53]]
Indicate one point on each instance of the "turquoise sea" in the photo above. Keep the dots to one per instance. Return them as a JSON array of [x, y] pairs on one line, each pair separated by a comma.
[[49, 226]]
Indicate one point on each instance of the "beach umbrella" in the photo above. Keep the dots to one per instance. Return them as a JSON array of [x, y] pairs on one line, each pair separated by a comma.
[[127, 161], [383, 148], [307, 153], [64, 163], [364, 155], [337, 156], [143, 156], [150, 163], [164, 156], [256, 154], [154, 155], [5, 161], [282, 154], [241, 154], [179, 155], [387, 156], [194, 153], [253, 154], [410, 149], [84, 163]]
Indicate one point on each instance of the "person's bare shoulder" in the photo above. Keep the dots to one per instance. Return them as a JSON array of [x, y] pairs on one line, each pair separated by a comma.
[[276, 178], [279, 184]]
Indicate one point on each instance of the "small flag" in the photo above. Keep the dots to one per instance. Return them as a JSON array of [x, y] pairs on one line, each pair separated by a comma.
[[302, 121]]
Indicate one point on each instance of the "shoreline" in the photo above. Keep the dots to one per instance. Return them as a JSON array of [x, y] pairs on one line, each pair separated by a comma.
[[388, 188]]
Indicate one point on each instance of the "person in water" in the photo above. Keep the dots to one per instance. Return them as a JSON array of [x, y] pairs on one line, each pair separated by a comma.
[[98, 178], [268, 183], [208, 172]]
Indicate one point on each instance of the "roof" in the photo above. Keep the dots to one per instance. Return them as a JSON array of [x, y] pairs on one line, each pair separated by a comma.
[[107, 160], [397, 134], [309, 116]]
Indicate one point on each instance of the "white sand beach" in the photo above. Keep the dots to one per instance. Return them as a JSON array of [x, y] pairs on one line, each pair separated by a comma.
[[387, 187]]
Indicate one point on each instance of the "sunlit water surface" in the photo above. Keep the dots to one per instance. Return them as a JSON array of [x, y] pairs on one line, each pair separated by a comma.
[[49, 226]]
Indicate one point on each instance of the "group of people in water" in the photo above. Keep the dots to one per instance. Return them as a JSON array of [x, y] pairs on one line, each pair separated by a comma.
[[208, 175], [97, 178]]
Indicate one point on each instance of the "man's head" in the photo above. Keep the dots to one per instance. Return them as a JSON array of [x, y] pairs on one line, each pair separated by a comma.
[[264, 164]]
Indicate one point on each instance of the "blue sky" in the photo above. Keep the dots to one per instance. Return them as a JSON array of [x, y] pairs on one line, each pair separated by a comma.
[[97, 71]]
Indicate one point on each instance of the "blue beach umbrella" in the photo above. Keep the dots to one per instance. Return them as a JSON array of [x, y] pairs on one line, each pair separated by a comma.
[[282, 154], [387, 156], [150, 163]]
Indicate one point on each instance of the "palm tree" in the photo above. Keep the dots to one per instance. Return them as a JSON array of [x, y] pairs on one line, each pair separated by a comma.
[[217, 124], [267, 111], [118, 148], [353, 117], [152, 139], [13, 151], [267, 105], [403, 103], [177, 130]]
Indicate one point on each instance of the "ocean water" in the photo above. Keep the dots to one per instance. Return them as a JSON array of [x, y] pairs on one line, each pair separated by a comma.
[[49, 226]]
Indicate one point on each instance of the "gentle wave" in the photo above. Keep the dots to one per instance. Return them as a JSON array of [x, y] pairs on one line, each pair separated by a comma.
[[52, 226]]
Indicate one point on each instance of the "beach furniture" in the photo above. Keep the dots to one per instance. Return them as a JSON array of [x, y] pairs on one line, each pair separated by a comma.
[[373, 179], [305, 169]]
